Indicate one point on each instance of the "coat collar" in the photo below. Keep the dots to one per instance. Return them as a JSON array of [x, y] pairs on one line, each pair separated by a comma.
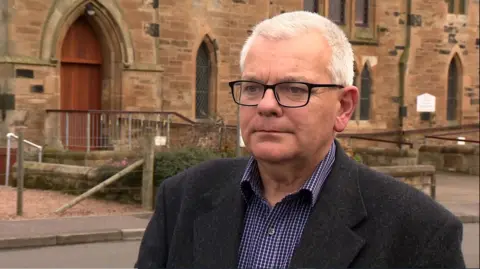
[[328, 239]]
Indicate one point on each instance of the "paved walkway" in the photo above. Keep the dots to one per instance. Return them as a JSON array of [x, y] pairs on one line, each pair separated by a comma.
[[40, 227], [459, 193]]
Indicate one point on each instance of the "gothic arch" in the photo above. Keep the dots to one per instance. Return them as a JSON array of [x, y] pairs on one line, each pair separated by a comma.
[[112, 33], [208, 44], [454, 86], [455, 54], [108, 19], [366, 89], [356, 71]]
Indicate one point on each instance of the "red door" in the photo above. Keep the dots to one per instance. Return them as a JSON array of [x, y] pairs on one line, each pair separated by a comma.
[[81, 86], [3, 163]]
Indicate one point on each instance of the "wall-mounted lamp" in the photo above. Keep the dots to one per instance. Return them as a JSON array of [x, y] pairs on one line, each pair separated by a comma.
[[89, 9]]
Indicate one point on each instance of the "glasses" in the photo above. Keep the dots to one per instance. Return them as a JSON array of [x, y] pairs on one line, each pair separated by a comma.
[[287, 94]]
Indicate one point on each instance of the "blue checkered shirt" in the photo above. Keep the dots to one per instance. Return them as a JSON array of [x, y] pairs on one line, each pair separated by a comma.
[[271, 234]]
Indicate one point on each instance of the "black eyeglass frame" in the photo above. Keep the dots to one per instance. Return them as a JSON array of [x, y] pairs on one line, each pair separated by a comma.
[[273, 86]]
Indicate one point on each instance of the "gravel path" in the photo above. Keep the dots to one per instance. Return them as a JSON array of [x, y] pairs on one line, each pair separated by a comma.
[[42, 204]]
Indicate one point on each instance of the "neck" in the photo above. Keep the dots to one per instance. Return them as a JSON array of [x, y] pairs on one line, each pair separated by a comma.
[[282, 179]]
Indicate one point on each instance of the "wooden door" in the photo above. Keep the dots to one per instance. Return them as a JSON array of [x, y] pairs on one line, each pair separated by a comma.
[[3, 164], [81, 85]]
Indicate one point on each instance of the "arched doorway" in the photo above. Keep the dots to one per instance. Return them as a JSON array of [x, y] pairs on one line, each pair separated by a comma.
[[81, 85]]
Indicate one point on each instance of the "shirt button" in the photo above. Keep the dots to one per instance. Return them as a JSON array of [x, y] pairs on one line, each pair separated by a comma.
[[271, 231]]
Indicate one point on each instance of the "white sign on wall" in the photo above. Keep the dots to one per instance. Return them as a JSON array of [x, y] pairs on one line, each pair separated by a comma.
[[160, 140], [426, 103]]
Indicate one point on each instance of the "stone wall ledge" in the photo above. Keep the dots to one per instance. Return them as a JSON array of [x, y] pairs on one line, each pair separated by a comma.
[[390, 152], [74, 179], [461, 149], [406, 170], [73, 172], [452, 158]]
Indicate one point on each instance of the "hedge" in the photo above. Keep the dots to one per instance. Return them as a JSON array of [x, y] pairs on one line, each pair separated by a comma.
[[167, 164]]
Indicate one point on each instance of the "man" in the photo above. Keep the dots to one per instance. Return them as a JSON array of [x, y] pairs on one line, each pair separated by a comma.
[[299, 201]]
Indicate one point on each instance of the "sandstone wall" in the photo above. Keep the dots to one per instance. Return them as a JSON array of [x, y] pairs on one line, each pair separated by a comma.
[[150, 52]]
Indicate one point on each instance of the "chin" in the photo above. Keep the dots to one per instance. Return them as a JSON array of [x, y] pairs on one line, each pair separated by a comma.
[[272, 152]]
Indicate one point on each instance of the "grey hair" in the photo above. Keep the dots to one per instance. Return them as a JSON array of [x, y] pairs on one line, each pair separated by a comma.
[[291, 24]]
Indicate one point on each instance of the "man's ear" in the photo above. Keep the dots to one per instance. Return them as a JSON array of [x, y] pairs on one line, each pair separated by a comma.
[[347, 100]]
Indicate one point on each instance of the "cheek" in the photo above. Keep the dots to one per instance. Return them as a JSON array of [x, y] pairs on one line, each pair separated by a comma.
[[303, 123], [312, 123], [246, 115]]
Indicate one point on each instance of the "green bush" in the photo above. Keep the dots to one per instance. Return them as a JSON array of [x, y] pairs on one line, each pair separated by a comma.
[[168, 164], [132, 179], [358, 158], [127, 189]]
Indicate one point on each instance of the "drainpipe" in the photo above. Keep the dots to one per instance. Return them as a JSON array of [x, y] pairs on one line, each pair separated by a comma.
[[403, 65], [4, 8], [156, 19]]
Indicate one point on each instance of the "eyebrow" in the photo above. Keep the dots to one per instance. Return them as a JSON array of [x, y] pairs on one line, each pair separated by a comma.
[[294, 78], [283, 79], [252, 78]]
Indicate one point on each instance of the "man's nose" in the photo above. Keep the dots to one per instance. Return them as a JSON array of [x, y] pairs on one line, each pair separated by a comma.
[[268, 105]]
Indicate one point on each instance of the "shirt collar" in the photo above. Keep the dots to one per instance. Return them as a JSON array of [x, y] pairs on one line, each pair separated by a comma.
[[251, 183]]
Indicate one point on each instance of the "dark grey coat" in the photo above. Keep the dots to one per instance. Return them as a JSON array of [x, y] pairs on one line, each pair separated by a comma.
[[362, 219]]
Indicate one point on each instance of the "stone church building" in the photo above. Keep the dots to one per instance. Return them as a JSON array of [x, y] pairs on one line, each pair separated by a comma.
[[178, 55]]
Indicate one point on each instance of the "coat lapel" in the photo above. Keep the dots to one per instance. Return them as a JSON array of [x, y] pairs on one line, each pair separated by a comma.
[[218, 231], [328, 239]]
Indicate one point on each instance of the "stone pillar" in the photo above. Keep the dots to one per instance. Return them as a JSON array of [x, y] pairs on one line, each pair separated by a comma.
[[52, 131]]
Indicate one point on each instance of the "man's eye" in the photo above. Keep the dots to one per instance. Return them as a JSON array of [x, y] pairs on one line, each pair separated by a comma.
[[297, 90], [251, 89]]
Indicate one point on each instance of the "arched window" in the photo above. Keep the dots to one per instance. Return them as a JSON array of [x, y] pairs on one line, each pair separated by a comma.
[[457, 6], [462, 7], [355, 76], [361, 13], [365, 92], [336, 11], [310, 5], [202, 87], [451, 6], [453, 89]]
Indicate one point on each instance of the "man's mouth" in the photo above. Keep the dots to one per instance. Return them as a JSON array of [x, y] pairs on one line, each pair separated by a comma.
[[269, 131]]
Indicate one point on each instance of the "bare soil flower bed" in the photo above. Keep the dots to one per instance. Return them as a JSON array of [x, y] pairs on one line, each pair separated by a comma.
[[42, 204]]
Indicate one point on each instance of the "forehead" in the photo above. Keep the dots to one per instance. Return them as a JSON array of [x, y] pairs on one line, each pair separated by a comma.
[[303, 58]]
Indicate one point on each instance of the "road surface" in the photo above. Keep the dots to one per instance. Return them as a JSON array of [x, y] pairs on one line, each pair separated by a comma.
[[123, 254]]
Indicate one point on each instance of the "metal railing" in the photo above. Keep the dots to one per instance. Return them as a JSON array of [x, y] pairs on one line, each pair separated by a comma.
[[371, 136], [460, 140], [88, 130], [457, 139], [459, 132], [475, 126], [9, 145], [396, 142]]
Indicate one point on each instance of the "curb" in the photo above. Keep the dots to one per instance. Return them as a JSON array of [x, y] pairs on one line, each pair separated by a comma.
[[72, 238]]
